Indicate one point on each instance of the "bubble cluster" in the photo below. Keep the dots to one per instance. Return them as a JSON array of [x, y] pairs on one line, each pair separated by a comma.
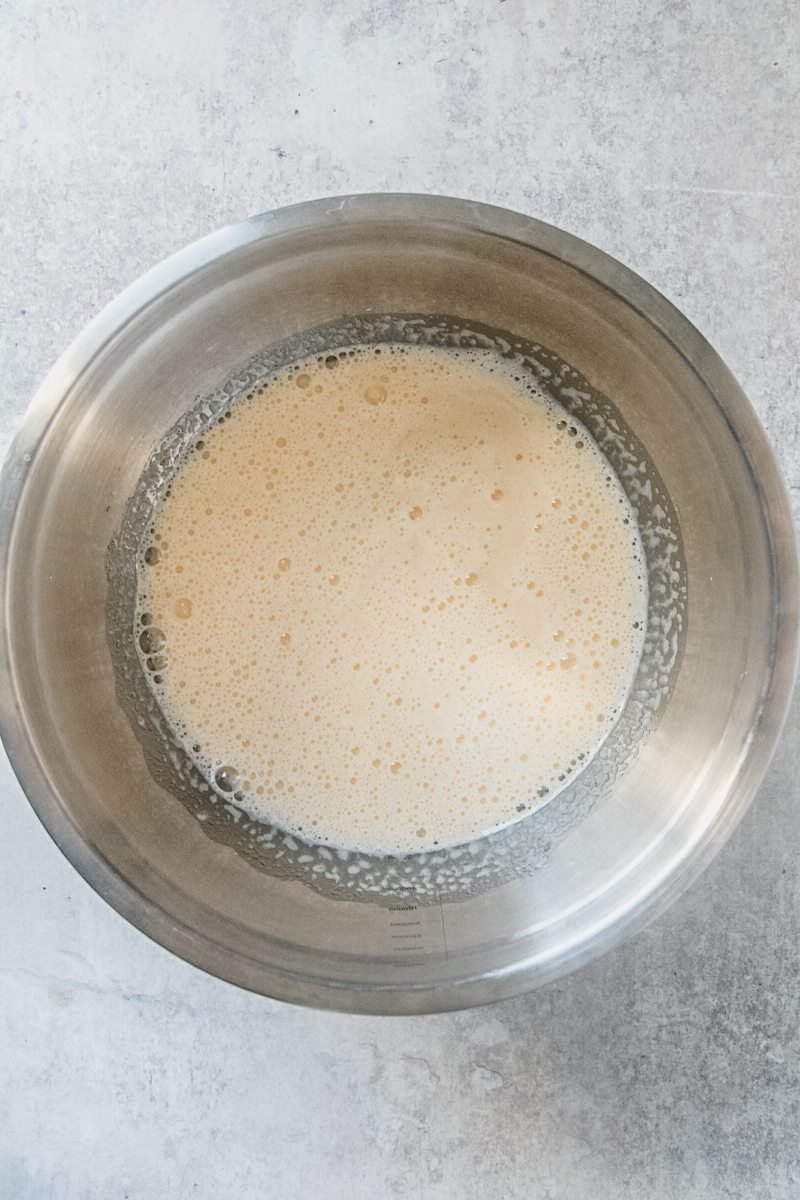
[[393, 598]]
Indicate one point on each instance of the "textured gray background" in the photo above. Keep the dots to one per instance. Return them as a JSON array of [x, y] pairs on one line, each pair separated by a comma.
[[666, 134]]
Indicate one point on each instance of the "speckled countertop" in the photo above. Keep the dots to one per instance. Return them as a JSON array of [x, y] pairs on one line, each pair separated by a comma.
[[665, 133]]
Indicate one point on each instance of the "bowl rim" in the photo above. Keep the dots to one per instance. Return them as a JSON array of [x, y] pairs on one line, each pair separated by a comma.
[[678, 874]]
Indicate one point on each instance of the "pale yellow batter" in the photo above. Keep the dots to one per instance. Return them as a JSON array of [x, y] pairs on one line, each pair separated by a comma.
[[401, 596]]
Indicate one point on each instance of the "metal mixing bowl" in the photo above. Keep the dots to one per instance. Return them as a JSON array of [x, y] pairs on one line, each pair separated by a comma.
[[179, 332]]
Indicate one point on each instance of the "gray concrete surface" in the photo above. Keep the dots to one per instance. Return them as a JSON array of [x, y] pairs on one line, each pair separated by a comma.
[[665, 132]]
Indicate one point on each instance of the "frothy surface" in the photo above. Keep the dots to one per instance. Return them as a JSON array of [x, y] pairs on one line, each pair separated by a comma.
[[393, 599]]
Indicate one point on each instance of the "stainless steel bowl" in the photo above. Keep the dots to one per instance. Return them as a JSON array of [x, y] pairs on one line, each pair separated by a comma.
[[179, 332]]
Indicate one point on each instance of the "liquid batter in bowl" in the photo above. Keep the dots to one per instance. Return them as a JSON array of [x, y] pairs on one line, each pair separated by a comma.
[[141, 813], [394, 599]]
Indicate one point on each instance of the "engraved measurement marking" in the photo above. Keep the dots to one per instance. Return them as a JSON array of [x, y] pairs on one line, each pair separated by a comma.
[[405, 943]]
